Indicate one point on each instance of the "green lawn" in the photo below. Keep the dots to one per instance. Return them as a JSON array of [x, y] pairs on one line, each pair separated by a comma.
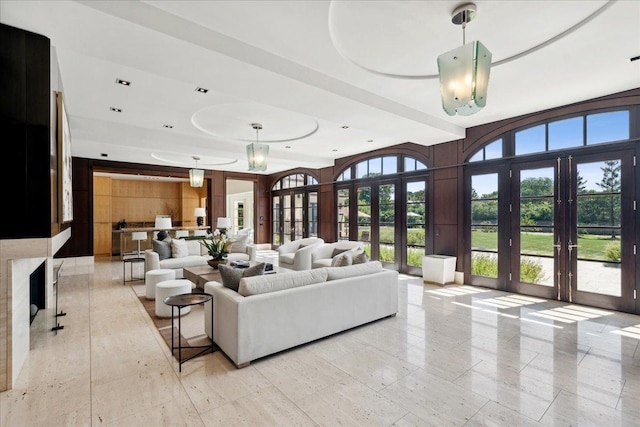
[[590, 246]]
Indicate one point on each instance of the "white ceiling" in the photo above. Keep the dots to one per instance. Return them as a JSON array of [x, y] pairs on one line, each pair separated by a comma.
[[304, 69]]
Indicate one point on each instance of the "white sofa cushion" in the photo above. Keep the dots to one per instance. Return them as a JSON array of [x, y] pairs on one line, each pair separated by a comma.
[[187, 261], [179, 248], [239, 243], [276, 282], [237, 256], [194, 247], [335, 273], [287, 258]]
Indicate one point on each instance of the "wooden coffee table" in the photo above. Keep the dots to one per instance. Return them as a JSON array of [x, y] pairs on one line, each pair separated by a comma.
[[202, 274]]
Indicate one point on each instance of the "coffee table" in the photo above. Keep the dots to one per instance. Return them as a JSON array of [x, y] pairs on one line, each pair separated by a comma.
[[202, 274]]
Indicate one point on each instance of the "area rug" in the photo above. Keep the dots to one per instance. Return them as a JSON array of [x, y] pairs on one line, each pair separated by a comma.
[[164, 327]]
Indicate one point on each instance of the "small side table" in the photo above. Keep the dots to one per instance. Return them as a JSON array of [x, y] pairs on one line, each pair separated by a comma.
[[130, 261], [179, 302], [438, 268]]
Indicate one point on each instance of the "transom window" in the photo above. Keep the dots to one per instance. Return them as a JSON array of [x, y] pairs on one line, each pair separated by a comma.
[[294, 181], [380, 166], [564, 133]]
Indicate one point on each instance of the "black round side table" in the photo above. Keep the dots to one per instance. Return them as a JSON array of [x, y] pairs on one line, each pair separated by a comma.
[[178, 302]]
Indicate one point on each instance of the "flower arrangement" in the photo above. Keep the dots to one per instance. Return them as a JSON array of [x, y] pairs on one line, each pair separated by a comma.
[[217, 245]]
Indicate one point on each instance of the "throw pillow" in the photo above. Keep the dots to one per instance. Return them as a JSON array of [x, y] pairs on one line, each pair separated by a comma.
[[360, 257], [231, 276], [342, 260], [239, 244], [179, 248], [162, 248], [162, 235], [337, 251]]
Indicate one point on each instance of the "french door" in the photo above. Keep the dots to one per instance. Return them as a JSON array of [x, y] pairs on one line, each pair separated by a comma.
[[573, 229], [390, 218]]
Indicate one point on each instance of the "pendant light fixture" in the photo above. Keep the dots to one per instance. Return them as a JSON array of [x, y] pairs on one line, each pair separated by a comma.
[[464, 71], [257, 154], [196, 176]]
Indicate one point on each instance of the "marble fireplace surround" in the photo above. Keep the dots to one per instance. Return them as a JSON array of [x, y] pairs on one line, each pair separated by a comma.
[[18, 259]]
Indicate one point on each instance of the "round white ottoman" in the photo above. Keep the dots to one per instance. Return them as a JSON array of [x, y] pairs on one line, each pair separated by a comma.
[[153, 277], [168, 288]]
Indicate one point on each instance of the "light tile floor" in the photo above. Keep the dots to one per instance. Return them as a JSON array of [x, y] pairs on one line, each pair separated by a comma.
[[452, 356]]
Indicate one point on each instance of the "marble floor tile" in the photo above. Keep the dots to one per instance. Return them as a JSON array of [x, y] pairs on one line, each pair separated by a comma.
[[265, 407], [123, 397], [351, 403], [213, 380], [495, 415], [510, 389], [569, 410], [374, 367], [434, 400], [451, 356], [298, 374]]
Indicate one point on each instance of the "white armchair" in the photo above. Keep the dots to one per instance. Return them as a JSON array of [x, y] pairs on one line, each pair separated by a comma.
[[292, 256], [323, 255]]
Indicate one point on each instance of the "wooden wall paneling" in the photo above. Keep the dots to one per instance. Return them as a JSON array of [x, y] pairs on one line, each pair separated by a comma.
[[446, 241], [445, 201], [262, 233], [218, 202], [327, 226], [190, 200], [102, 238]]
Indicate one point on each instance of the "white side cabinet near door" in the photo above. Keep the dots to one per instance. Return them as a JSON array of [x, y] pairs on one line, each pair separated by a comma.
[[439, 269]]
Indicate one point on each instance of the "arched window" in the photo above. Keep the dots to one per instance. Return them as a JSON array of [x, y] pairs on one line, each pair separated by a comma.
[[560, 134], [548, 219], [382, 202], [295, 208], [492, 150]]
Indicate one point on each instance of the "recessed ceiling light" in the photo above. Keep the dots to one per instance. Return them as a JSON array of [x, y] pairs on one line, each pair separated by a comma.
[[116, 110], [335, 149], [635, 58], [345, 127], [202, 90], [168, 126], [287, 146], [104, 155], [123, 82], [369, 140]]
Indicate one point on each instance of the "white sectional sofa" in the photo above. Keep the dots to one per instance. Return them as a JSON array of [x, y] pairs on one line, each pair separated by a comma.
[[197, 255], [274, 312], [322, 256]]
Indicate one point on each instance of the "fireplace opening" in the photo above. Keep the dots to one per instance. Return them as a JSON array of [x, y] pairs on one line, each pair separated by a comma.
[[38, 285]]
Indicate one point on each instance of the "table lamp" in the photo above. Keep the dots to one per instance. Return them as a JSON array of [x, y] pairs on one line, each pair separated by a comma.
[[223, 224], [200, 213], [139, 235], [163, 223]]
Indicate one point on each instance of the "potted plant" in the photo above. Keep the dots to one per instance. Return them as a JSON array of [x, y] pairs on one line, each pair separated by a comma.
[[217, 246]]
